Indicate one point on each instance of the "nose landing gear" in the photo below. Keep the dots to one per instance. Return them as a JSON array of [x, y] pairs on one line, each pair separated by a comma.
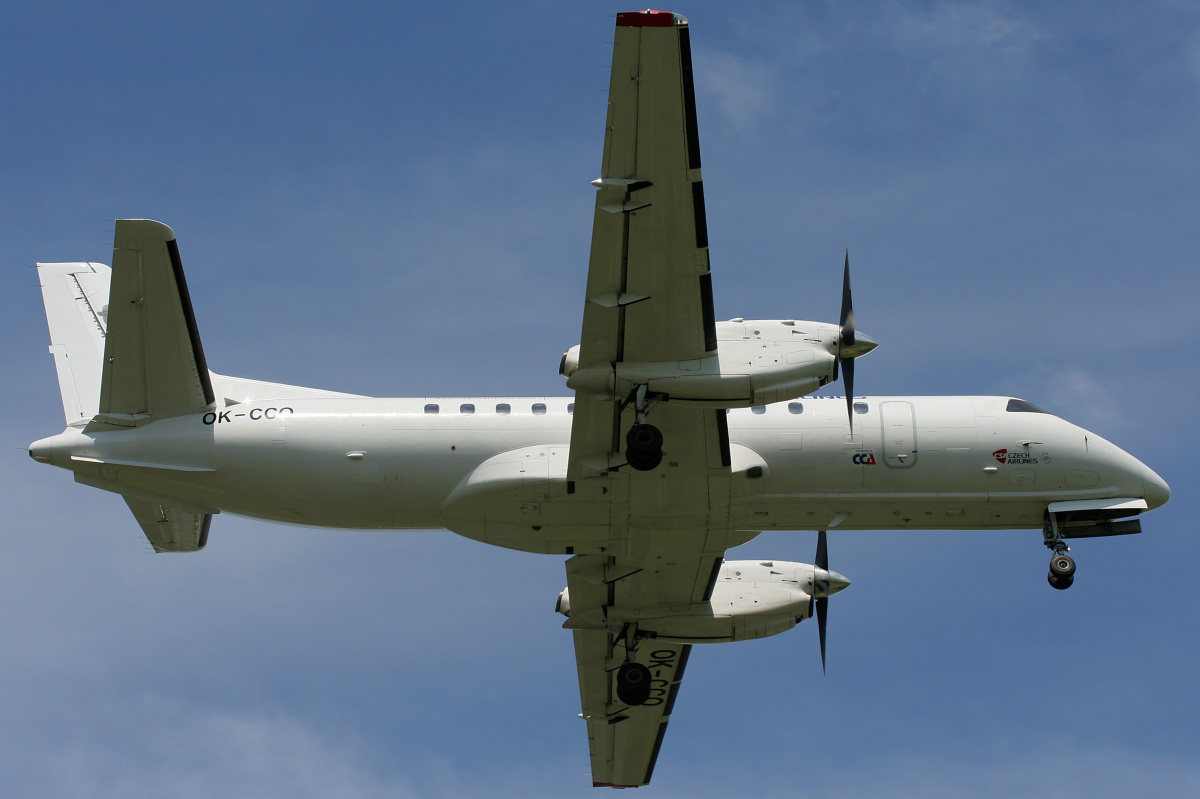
[[1062, 565]]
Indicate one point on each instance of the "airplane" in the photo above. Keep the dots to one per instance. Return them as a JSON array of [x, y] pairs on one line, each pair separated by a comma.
[[684, 436]]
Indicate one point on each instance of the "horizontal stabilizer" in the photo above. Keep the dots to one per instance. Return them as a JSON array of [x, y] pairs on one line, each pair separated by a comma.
[[170, 529], [76, 300]]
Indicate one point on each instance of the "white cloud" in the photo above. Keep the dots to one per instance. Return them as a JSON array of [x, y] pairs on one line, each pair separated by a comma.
[[965, 39], [741, 87], [161, 749], [1075, 394]]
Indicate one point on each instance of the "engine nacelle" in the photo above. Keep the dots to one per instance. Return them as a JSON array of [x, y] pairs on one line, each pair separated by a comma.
[[751, 599], [756, 363]]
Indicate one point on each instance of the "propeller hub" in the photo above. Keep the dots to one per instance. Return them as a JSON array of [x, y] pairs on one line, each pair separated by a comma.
[[828, 583], [860, 346]]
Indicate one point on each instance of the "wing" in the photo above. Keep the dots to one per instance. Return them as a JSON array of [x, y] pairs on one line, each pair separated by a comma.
[[624, 739], [154, 365], [649, 290], [649, 302], [170, 529]]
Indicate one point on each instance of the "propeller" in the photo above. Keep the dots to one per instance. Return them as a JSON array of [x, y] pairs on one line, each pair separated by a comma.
[[851, 345], [825, 584]]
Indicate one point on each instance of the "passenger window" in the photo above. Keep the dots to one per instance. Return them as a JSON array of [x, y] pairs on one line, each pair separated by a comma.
[[431, 408], [539, 408], [759, 409], [466, 408], [795, 407], [860, 407], [571, 407], [503, 409], [1021, 406]]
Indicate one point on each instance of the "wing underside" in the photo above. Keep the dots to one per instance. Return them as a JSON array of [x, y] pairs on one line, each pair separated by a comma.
[[649, 300], [625, 739]]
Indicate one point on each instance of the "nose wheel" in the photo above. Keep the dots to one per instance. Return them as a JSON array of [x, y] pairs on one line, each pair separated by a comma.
[[1062, 565]]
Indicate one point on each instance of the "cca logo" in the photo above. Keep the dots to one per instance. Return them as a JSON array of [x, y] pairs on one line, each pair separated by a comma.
[[863, 459]]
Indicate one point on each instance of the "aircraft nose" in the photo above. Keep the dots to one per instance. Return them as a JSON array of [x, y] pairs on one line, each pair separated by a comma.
[[1155, 489]]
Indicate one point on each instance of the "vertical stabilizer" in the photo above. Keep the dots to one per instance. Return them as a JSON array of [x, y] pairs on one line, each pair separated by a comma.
[[76, 300], [154, 366]]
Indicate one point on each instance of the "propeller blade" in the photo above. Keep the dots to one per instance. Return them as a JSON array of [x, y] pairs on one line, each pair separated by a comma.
[[822, 603], [848, 379], [847, 321], [847, 340], [822, 615]]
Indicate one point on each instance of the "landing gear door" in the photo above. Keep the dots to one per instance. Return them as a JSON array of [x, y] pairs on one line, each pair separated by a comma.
[[899, 437]]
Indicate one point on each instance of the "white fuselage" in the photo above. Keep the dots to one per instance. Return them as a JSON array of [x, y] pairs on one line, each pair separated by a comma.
[[911, 462]]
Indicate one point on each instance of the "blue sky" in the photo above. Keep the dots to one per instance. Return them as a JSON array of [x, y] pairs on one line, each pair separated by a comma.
[[393, 199]]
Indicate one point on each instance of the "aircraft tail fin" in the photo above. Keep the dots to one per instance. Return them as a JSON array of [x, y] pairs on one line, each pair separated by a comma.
[[154, 366], [76, 300]]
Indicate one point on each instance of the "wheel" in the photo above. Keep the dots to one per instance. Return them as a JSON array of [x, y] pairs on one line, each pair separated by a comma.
[[644, 461], [1062, 565], [644, 438], [643, 447], [1061, 583], [633, 684]]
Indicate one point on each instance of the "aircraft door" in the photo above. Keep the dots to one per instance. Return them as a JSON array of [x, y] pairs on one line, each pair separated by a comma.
[[899, 436]]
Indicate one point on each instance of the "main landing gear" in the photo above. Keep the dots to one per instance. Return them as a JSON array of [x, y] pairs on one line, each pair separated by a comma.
[[633, 678], [643, 442], [633, 684], [1062, 565]]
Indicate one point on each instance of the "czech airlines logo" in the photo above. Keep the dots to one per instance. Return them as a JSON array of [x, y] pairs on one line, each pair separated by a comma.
[[863, 459], [1004, 456]]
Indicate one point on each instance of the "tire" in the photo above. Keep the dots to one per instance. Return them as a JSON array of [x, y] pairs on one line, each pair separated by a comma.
[[643, 438], [644, 461], [633, 684], [1061, 583], [1062, 565]]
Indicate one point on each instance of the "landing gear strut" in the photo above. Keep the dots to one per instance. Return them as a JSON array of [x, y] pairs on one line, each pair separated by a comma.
[[1062, 565], [643, 442], [633, 678]]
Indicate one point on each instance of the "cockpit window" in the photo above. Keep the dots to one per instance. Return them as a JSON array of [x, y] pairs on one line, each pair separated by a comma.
[[1021, 406]]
